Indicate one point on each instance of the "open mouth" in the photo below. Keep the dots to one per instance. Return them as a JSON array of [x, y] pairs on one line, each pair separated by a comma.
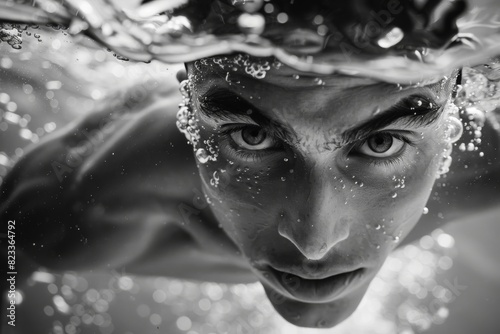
[[315, 290]]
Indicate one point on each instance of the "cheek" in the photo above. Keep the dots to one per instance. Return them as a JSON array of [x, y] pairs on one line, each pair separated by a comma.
[[392, 204]]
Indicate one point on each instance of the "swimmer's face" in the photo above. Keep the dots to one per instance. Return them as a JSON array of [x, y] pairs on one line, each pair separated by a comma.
[[316, 181]]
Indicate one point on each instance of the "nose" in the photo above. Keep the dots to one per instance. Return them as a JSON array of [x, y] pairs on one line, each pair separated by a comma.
[[320, 225]]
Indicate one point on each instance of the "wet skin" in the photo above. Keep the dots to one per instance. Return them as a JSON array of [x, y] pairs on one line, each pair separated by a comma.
[[308, 215], [314, 215]]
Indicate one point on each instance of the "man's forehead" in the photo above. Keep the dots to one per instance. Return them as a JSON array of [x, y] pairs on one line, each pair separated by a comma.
[[269, 71]]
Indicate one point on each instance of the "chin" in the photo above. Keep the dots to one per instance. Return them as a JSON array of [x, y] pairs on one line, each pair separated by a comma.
[[315, 315]]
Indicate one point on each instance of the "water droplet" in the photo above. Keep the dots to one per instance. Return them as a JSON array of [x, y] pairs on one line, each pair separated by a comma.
[[395, 239], [394, 195], [283, 178], [377, 227], [296, 76], [393, 37], [425, 211], [202, 155], [285, 159]]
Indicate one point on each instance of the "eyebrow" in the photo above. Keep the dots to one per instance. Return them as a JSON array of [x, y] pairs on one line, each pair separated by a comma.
[[417, 110], [414, 110], [226, 105]]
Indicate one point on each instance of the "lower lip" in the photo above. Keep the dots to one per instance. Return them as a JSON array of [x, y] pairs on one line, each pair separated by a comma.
[[317, 290]]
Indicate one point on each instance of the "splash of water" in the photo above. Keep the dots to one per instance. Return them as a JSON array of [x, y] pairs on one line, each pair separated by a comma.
[[141, 35]]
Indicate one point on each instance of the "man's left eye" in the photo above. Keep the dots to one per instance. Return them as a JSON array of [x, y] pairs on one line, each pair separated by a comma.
[[253, 137], [381, 145]]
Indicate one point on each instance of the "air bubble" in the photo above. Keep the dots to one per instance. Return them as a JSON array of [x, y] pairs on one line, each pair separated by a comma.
[[202, 155]]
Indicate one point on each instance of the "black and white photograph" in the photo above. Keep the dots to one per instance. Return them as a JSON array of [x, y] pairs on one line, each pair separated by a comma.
[[250, 166]]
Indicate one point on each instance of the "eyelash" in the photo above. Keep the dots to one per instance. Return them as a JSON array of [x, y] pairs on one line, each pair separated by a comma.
[[240, 153], [388, 161]]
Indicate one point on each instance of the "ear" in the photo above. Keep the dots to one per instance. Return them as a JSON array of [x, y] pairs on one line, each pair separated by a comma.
[[182, 74]]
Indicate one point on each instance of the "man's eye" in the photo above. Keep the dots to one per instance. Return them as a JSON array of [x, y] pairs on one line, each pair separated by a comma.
[[381, 145], [253, 138]]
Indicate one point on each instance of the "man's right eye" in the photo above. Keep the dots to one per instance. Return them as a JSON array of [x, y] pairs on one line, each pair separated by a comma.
[[383, 145], [252, 137]]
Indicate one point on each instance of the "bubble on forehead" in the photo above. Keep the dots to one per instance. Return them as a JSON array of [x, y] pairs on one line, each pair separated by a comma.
[[253, 66]]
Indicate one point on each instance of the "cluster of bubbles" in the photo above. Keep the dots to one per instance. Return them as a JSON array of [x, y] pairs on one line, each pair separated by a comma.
[[10, 35], [452, 133], [255, 67], [187, 123]]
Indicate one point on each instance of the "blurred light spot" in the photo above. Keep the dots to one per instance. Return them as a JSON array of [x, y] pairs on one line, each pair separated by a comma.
[[54, 103], [96, 94], [49, 94], [4, 98], [445, 262], [159, 296], [214, 291], [143, 310], [443, 312], [101, 306], [18, 297], [25, 133], [75, 321], [70, 329], [11, 117], [426, 242], [56, 44], [282, 17], [49, 127], [48, 310], [4, 160], [66, 291], [6, 62], [19, 152], [42, 277], [92, 295], [12, 106], [155, 319], [100, 55], [27, 89], [125, 283], [87, 318], [61, 304], [184, 323], [204, 304], [52, 288], [23, 123], [446, 240], [175, 287]]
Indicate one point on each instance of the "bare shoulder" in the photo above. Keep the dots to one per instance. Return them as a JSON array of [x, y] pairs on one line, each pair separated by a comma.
[[117, 189]]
